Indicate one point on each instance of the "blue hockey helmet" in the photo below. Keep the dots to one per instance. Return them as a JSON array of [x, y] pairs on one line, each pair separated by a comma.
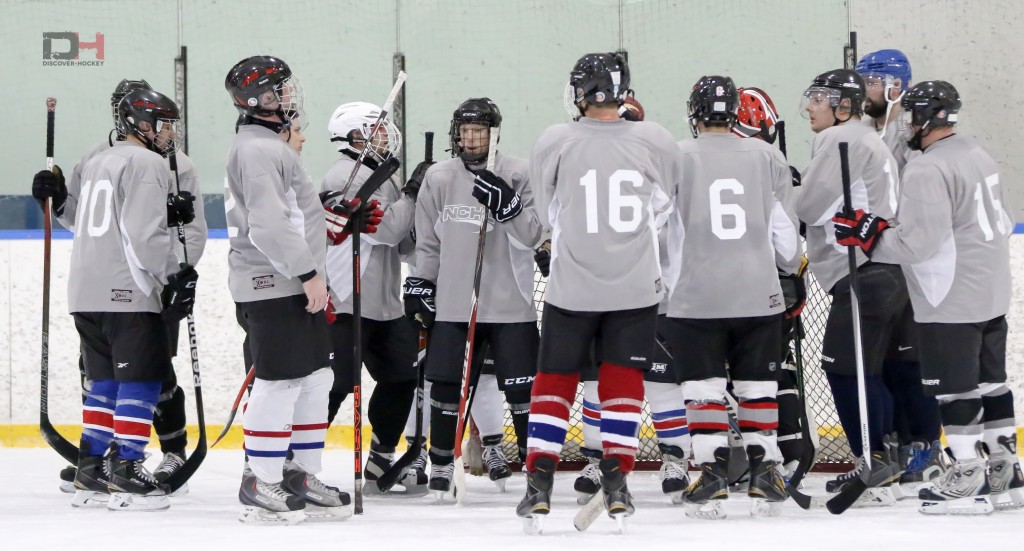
[[883, 63]]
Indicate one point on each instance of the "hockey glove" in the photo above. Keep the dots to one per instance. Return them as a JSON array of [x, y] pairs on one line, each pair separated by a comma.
[[338, 213], [543, 258], [179, 295], [795, 175], [181, 208], [50, 185], [495, 194], [412, 187], [418, 294], [859, 229]]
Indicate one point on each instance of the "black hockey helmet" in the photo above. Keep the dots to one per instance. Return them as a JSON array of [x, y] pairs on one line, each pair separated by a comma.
[[835, 86], [120, 91], [472, 111], [596, 78], [930, 104], [714, 100], [264, 85], [153, 118]]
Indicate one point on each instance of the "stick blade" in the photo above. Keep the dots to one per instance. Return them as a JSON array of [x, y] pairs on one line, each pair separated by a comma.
[[846, 498]]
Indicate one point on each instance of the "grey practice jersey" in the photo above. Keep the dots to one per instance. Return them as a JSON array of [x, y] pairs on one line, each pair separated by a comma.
[[121, 255], [276, 228], [601, 187], [897, 132], [874, 182], [733, 228], [952, 234], [448, 221], [381, 265], [195, 231]]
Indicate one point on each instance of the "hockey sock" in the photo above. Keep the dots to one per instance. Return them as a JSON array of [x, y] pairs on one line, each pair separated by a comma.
[[997, 413], [758, 415], [915, 415], [334, 400], [962, 422], [169, 419], [309, 420], [706, 417], [551, 402], [519, 406], [133, 417], [591, 416], [444, 420], [844, 394], [622, 399], [790, 434], [669, 414], [488, 411], [270, 410], [98, 417], [388, 410]]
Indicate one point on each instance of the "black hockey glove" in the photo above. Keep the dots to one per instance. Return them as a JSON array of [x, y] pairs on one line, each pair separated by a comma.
[[181, 208], [419, 300], [495, 194], [50, 185], [412, 187], [859, 229], [794, 290], [543, 258], [795, 175], [179, 295]]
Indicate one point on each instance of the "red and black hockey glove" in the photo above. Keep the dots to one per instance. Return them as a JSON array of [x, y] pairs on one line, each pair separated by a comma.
[[338, 213], [859, 229]]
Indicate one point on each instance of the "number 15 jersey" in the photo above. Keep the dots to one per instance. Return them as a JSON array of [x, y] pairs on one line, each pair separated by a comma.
[[601, 188]]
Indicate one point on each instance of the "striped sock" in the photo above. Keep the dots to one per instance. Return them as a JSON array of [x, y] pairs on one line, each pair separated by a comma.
[[668, 413], [622, 395], [591, 416], [709, 426], [133, 417], [550, 403], [98, 417]]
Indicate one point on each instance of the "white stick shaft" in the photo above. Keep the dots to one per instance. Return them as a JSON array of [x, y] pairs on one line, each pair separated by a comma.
[[399, 83]]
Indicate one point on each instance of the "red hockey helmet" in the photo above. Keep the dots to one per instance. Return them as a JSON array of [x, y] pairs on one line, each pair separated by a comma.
[[757, 115]]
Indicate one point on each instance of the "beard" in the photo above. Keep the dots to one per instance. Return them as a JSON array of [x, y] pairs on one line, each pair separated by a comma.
[[874, 109]]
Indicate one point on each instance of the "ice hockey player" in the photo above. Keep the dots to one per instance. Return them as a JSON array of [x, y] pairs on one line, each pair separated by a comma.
[[834, 104], [605, 283], [389, 339], [458, 194], [733, 211], [119, 313], [169, 416], [277, 280], [952, 238], [887, 76]]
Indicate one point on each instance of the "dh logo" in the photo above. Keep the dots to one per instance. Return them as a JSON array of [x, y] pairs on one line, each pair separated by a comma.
[[64, 49]]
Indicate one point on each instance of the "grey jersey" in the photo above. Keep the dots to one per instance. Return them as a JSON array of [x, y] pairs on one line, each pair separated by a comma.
[[122, 252], [276, 228], [195, 231], [874, 181], [897, 132], [601, 188], [951, 234], [381, 265], [732, 229], [448, 221]]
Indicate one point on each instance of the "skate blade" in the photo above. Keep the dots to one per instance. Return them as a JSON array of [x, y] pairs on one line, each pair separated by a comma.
[[712, 510], [620, 522], [67, 487], [976, 505], [898, 492], [85, 499], [258, 515], [533, 525], [762, 508], [123, 501], [316, 513], [1010, 500], [500, 483], [583, 498], [180, 492], [398, 490], [439, 496], [876, 497], [677, 497]]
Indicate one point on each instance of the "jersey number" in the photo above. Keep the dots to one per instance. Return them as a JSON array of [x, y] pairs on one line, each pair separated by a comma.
[[997, 206], [624, 211], [720, 211], [99, 195]]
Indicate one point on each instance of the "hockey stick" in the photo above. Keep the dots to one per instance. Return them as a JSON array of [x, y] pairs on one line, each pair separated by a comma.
[[181, 476], [66, 449], [370, 186], [460, 467], [399, 82], [852, 491], [234, 407], [807, 458], [782, 137]]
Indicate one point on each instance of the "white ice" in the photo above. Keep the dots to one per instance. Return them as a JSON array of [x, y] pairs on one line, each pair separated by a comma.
[[34, 515]]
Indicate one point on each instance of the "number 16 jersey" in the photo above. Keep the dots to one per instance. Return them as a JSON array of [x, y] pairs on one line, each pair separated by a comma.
[[600, 185]]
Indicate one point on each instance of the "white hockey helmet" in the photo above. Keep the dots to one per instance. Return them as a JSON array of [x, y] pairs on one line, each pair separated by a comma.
[[352, 122]]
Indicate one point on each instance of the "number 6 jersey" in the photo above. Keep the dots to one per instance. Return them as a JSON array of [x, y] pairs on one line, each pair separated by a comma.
[[600, 186]]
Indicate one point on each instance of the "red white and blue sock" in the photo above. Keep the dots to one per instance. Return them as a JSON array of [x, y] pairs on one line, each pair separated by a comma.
[[668, 411], [550, 404], [133, 417], [98, 417], [622, 396]]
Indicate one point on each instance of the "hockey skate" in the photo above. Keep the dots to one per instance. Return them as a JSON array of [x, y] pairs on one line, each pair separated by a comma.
[[441, 480], [265, 503], [536, 504], [674, 473], [377, 463], [497, 466], [705, 497], [617, 500], [767, 489], [415, 477], [1005, 477], [963, 490], [896, 469], [67, 479], [133, 488], [588, 483], [879, 481], [323, 503], [925, 464], [171, 462], [90, 483]]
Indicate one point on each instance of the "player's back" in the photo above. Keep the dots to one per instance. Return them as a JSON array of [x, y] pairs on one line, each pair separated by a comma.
[[600, 186]]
